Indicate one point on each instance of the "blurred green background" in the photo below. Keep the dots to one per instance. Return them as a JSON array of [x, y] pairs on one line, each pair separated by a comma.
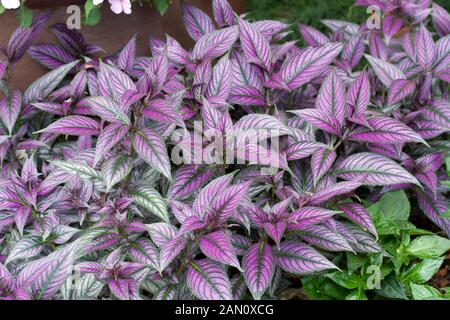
[[310, 12]]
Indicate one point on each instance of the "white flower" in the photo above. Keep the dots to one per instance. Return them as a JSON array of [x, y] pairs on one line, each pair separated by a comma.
[[10, 4], [119, 6], [97, 2]]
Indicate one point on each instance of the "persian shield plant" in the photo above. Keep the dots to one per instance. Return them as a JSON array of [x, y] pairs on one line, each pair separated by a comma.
[[219, 172]]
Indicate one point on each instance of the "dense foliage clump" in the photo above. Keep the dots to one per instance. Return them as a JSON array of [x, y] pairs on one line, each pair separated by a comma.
[[226, 171]]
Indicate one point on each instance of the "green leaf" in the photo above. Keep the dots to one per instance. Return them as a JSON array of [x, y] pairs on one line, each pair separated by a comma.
[[318, 287], [356, 295], [354, 262], [150, 199], [424, 292], [390, 214], [92, 13], [447, 164], [346, 279], [426, 247], [391, 288], [25, 16], [422, 271], [2, 9], [161, 6]]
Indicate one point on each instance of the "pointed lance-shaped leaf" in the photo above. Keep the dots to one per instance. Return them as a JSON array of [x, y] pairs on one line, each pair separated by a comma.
[[113, 83], [399, 90], [144, 251], [385, 71], [170, 251], [359, 215], [373, 169], [312, 36], [125, 60], [208, 280], [197, 22], [320, 119], [10, 108], [306, 65], [358, 95], [307, 216], [74, 125], [215, 44], [161, 232], [152, 149], [108, 138], [441, 19], [331, 97], [385, 130], [50, 55], [425, 48], [188, 179], [217, 246], [322, 237], [107, 109], [150, 199], [223, 13], [115, 170], [256, 48], [321, 162], [438, 111], [42, 87], [299, 258], [259, 268]]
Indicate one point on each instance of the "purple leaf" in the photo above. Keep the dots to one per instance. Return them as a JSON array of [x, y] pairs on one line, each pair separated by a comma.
[[331, 97], [107, 109], [259, 268], [275, 230], [384, 70], [197, 22], [220, 83], [161, 232], [145, 252], [303, 149], [74, 125], [321, 161], [320, 119], [433, 209], [160, 110], [425, 48], [10, 108], [188, 179], [49, 55], [373, 170], [400, 89], [308, 216], [385, 130], [312, 36], [438, 111], [353, 51], [126, 57], [359, 215], [171, 250], [42, 87], [223, 13], [358, 95], [302, 67], [329, 192], [151, 148], [324, 238], [441, 19], [255, 46], [247, 96], [215, 44], [208, 280], [113, 83], [108, 138], [217, 246], [299, 258]]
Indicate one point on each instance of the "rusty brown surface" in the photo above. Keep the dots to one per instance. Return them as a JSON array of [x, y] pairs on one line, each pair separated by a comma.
[[111, 34]]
